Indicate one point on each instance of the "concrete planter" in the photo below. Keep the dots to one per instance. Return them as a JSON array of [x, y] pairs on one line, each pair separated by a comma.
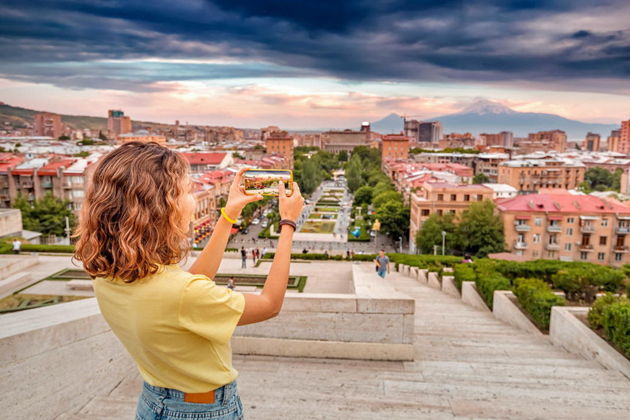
[[448, 286], [472, 297], [569, 332], [504, 309], [433, 280], [422, 275]]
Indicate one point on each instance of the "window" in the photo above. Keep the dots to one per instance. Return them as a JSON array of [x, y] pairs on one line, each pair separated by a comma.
[[466, 197], [440, 212], [583, 255], [538, 221], [453, 197], [567, 246], [536, 238], [602, 240], [451, 211], [601, 256], [479, 197], [618, 256], [604, 222], [621, 239], [569, 231], [425, 212], [586, 240], [440, 197], [570, 220], [553, 239]]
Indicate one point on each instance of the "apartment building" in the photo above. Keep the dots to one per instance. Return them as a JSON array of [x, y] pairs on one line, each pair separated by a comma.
[[488, 164], [442, 198], [591, 142], [533, 175], [502, 139], [423, 132], [281, 145], [394, 147], [567, 227], [201, 162], [118, 123], [543, 141], [209, 189], [47, 124], [142, 136]]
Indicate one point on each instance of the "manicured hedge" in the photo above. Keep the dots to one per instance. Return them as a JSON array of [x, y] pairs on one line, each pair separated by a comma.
[[537, 298], [612, 314], [462, 273], [581, 283], [48, 248]]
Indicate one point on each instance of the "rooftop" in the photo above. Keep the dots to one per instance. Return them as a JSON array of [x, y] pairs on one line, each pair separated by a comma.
[[562, 203], [200, 158]]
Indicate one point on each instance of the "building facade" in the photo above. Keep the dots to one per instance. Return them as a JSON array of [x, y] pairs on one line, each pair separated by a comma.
[[534, 175], [118, 123], [502, 139], [394, 147], [591, 142], [567, 227], [281, 145], [346, 140], [543, 141], [47, 124], [441, 199]]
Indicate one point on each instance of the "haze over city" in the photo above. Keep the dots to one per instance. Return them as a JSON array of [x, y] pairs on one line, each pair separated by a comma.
[[315, 65]]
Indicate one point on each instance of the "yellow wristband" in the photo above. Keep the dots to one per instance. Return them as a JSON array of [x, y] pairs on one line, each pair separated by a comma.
[[226, 217]]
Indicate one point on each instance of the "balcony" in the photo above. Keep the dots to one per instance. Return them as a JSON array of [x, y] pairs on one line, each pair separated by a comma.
[[587, 228], [522, 228], [554, 228], [47, 185], [520, 245], [552, 247], [584, 247], [622, 230], [621, 248]]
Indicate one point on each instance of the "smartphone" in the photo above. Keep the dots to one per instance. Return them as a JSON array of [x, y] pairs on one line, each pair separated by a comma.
[[265, 181]]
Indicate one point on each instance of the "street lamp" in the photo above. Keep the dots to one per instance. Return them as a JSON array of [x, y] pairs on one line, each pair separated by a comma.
[[443, 241]]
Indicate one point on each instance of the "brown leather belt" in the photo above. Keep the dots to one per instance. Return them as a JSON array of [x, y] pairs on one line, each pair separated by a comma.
[[200, 397]]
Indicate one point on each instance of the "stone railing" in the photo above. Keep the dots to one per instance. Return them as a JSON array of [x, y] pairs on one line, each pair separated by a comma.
[[56, 358], [375, 322]]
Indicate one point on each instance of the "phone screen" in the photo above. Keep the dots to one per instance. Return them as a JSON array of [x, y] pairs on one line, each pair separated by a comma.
[[265, 181]]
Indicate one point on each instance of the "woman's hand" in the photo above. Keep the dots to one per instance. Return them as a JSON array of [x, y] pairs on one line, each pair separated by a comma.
[[290, 206], [237, 199]]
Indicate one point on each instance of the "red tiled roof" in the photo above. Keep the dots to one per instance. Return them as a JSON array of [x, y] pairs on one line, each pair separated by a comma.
[[561, 203], [51, 168], [199, 158], [8, 160]]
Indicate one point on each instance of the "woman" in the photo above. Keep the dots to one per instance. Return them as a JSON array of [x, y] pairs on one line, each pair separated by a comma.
[[176, 324]]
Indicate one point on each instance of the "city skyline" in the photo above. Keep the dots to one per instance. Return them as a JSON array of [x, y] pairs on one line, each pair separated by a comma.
[[314, 66]]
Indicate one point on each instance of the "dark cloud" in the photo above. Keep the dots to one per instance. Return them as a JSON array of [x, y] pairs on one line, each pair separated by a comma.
[[65, 42]]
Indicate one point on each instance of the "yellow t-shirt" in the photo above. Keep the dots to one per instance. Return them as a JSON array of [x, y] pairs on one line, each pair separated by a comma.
[[176, 325]]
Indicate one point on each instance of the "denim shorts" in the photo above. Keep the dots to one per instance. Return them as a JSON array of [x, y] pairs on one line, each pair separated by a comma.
[[157, 403]]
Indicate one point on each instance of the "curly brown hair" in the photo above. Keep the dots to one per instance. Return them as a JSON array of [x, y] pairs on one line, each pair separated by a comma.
[[131, 219]]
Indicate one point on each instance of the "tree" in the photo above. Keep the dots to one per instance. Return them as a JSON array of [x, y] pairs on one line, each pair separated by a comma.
[[343, 156], [381, 187], [310, 176], [353, 173], [101, 135], [431, 233], [394, 219], [363, 195], [386, 196], [46, 215], [480, 178], [480, 230], [600, 179]]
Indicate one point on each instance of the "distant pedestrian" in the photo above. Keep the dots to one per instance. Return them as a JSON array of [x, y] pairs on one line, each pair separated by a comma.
[[254, 255], [230, 283], [467, 259], [382, 264], [17, 245], [257, 253], [264, 251], [243, 257]]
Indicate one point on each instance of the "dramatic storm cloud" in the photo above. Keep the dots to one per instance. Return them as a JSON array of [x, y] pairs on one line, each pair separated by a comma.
[[139, 46]]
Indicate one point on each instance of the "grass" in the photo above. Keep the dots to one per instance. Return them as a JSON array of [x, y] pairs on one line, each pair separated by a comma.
[[312, 226]]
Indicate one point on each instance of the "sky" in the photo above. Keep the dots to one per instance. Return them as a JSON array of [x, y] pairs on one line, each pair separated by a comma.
[[316, 64]]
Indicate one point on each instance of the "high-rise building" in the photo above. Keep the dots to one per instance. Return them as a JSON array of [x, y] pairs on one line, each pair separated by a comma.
[[47, 124], [394, 146], [282, 145], [591, 142], [614, 141], [624, 138], [423, 132], [503, 139], [118, 123]]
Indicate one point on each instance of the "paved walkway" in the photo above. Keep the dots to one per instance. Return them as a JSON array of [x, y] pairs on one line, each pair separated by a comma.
[[468, 365]]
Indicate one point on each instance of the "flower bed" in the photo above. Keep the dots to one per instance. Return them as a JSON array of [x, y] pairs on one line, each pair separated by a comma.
[[317, 226], [324, 216], [327, 209]]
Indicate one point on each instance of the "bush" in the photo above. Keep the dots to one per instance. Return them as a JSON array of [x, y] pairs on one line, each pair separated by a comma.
[[487, 283], [48, 248], [616, 324], [537, 298], [596, 314], [582, 282], [462, 273]]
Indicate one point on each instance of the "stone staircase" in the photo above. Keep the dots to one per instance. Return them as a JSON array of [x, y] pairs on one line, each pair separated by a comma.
[[467, 365]]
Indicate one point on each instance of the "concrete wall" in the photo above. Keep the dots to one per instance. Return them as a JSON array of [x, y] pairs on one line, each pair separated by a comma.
[[505, 309], [56, 358], [10, 222], [376, 322]]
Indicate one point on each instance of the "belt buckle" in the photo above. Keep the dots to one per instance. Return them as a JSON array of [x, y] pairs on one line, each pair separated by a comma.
[[200, 397]]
